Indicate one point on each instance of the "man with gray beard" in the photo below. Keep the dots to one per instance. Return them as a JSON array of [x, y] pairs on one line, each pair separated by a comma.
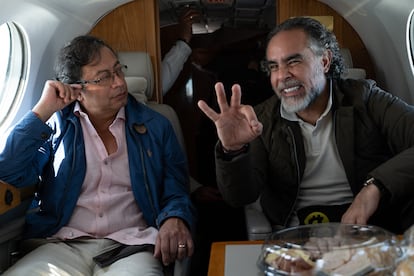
[[323, 149]]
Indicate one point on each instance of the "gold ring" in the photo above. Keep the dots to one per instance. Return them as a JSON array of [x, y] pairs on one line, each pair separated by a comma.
[[181, 245]]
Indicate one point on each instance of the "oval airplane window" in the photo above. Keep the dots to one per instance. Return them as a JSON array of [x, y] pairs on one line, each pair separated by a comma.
[[410, 40], [13, 66]]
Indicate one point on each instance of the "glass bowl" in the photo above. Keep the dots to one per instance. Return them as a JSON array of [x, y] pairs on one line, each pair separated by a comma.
[[330, 249], [405, 266]]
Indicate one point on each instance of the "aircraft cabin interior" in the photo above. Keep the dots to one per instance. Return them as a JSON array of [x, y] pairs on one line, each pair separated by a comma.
[[228, 43]]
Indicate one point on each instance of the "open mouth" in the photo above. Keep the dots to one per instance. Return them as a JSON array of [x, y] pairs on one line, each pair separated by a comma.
[[291, 89]]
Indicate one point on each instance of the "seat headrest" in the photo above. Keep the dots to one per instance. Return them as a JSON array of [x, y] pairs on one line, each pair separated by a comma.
[[346, 55], [138, 86], [139, 74], [351, 72]]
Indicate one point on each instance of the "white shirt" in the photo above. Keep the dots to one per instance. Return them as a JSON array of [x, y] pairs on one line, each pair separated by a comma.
[[324, 181]]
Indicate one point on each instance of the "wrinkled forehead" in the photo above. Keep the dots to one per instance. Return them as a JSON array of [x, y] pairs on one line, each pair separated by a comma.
[[286, 43]]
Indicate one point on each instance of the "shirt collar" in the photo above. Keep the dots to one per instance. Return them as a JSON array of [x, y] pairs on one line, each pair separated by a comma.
[[79, 113]]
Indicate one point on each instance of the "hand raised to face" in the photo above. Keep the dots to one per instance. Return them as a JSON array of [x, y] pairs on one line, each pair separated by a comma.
[[55, 96]]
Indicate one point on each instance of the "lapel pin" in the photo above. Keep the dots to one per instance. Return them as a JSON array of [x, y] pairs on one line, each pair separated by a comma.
[[141, 129]]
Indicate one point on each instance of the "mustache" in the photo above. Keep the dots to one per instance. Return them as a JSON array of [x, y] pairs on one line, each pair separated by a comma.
[[287, 84]]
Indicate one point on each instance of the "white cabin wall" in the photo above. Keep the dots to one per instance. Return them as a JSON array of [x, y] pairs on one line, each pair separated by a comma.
[[382, 27], [47, 26]]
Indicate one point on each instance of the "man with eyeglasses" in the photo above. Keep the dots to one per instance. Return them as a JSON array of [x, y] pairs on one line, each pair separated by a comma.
[[323, 149], [113, 192]]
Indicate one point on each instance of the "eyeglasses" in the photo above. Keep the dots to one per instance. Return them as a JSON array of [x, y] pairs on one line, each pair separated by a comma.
[[107, 78]]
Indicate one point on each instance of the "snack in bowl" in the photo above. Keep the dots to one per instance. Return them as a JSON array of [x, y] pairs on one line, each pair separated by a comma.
[[406, 266], [290, 260], [330, 249]]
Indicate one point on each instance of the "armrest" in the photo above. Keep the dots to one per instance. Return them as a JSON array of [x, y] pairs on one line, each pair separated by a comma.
[[13, 206], [10, 233], [14, 203], [257, 225], [11, 197], [13, 229]]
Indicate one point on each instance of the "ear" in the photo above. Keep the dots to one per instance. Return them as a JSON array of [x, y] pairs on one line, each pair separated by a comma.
[[80, 96], [326, 60]]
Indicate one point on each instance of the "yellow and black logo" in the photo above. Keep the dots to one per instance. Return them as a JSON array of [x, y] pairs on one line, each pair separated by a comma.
[[316, 217]]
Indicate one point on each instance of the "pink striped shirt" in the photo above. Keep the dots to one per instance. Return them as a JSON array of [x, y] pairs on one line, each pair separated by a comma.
[[106, 207]]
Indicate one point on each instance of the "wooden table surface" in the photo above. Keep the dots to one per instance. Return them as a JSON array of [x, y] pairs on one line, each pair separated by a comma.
[[217, 253]]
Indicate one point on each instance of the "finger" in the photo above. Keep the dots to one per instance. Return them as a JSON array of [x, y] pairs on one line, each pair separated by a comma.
[[169, 253], [68, 94], [162, 250], [210, 113], [71, 94], [221, 96], [347, 217], [361, 220], [75, 90], [59, 88], [185, 248], [256, 126], [65, 92], [190, 247], [353, 220], [157, 249], [251, 117], [235, 96], [76, 86], [182, 248], [351, 217]]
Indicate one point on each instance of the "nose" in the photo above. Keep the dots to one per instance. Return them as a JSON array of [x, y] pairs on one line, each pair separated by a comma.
[[279, 76], [282, 73], [117, 78]]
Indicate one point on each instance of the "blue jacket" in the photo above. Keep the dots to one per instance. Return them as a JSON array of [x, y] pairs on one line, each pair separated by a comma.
[[53, 155]]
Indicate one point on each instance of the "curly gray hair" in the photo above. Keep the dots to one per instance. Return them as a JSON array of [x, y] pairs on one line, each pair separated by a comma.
[[320, 39]]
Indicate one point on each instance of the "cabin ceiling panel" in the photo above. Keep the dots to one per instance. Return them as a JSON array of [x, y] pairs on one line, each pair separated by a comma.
[[232, 13], [88, 11]]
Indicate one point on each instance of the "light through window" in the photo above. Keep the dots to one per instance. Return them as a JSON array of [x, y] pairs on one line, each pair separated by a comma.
[[13, 65], [410, 40]]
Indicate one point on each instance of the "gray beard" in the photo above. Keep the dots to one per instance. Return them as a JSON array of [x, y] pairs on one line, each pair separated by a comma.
[[301, 103]]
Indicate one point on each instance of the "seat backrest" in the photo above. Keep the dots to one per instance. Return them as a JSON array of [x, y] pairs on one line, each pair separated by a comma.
[[140, 81]]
